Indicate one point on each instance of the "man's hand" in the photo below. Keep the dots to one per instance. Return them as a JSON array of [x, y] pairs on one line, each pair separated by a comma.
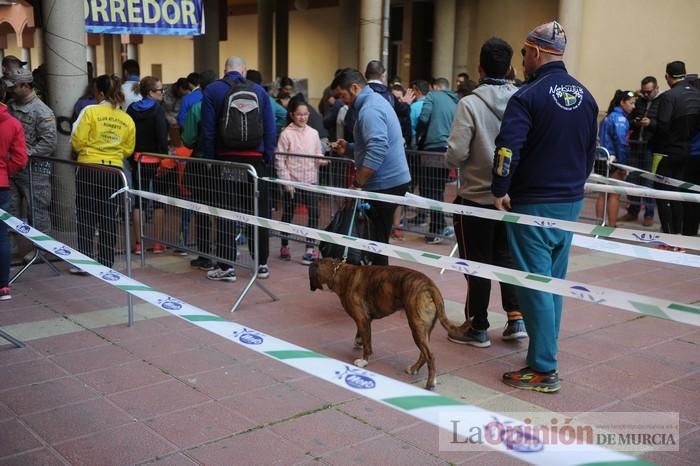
[[645, 122], [339, 146], [409, 96], [503, 203]]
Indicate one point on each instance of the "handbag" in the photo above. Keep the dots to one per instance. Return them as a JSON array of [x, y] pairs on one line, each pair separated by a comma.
[[352, 220]]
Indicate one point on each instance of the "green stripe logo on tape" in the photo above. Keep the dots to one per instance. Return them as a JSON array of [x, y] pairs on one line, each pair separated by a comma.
[[295, 354], [421, 401], [204, 318], [684, 308], [135, 288], [602, 231]]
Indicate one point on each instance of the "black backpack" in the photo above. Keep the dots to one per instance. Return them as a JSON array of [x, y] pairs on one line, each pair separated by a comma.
[[240, 124]]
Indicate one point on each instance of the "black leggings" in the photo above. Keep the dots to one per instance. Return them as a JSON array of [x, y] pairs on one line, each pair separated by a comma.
[[308, 198]]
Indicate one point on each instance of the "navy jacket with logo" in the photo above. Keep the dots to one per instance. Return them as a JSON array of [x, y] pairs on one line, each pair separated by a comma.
[[546, 146]]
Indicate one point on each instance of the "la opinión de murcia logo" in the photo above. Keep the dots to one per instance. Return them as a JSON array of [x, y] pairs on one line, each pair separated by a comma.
[[170, 304]]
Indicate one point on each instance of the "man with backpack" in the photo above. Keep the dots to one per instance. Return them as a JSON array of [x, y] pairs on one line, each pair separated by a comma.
[[238, 125]]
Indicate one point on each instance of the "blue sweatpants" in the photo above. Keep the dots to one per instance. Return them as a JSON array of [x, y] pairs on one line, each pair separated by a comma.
[[543, 251]]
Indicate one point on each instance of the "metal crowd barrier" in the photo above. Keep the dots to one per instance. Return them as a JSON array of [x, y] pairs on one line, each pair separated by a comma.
[[303, 207], [434, 179], [211, 241], [82, 212]]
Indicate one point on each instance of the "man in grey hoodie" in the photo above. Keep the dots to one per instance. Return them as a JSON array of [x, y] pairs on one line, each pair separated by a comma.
[[432, 130], [470, 148]]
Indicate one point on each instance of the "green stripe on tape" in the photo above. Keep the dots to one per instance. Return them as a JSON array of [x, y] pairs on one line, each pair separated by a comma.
[[421, 401], [684, 308], [325, 237], [41, 238], [538, 278], [406, 256], [602, 231], [295, 354], [135, 288], [5, 216], [507, 278], [428, 255], [650, 309], [84, 262], [511, 218], [620, 463], [686, 185], [204, 318]]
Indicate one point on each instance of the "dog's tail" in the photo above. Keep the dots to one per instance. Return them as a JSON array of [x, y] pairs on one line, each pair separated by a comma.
[[440, 311]]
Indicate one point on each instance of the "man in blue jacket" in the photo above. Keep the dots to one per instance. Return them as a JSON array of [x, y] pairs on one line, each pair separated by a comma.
[[236, 195], [544, 154], [378, 149]]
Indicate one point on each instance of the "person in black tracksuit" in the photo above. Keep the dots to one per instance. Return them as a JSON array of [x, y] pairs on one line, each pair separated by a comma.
[[677, 122]]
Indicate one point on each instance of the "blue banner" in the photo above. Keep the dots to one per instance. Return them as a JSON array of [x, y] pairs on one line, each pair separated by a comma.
[[161, 17]]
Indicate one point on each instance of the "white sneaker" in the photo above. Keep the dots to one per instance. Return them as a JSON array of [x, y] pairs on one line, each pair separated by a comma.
[[263, 271], [221, 275]]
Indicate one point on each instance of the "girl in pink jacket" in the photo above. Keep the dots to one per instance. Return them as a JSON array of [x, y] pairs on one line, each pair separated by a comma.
[[298, 157]]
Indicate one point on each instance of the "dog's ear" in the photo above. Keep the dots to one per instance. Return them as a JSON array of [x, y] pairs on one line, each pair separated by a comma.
[[314, 282]]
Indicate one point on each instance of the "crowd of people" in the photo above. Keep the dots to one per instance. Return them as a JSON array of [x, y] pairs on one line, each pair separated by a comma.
[[522, 146]]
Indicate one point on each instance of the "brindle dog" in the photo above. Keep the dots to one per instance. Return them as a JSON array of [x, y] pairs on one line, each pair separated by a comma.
[[372, 292]]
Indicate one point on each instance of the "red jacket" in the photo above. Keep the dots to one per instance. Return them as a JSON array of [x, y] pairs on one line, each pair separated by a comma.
[[13, 148]]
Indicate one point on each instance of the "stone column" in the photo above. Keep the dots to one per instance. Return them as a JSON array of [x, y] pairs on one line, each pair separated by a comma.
[[463, 30], [26, 55], [571, 19], [349, 36], [206, 47], [370, 32], [444, 38], [281, 38], [265, 33], [64, 53], [132, 52]]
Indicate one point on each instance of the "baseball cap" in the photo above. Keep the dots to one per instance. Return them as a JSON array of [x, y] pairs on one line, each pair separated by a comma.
[[548, 37], [676, 69], [8, 58], [20, 75]]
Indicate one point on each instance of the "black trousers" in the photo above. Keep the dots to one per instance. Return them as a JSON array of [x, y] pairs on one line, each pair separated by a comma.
[[691, 210], [382, 216], [484, 240], [94, 208], [670, 212], [236, 191]]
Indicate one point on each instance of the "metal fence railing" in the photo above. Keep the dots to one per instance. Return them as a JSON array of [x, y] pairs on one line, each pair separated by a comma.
[[304, 207], [215, 244], [79, 210], [431, 178]]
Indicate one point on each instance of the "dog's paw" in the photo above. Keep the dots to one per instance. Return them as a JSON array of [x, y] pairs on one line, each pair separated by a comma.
[[361, 362], [431, 385], [410, 370]]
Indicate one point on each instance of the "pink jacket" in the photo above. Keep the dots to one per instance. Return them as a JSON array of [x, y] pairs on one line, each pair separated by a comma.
[[13, 148], [302, 141]]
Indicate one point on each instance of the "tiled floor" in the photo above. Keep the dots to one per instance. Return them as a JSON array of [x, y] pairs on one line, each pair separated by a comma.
[[89, 390]]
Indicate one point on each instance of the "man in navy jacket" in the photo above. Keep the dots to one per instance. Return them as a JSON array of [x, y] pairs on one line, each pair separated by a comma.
[[544, 154], [232, 194]]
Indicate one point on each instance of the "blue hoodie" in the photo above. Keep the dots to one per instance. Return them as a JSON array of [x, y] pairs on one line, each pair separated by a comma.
[[379, 142], [212, 107], [614, 134]]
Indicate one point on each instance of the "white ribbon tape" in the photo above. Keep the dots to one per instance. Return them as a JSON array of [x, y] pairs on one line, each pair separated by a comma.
[[637, 236], [424, 405]]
